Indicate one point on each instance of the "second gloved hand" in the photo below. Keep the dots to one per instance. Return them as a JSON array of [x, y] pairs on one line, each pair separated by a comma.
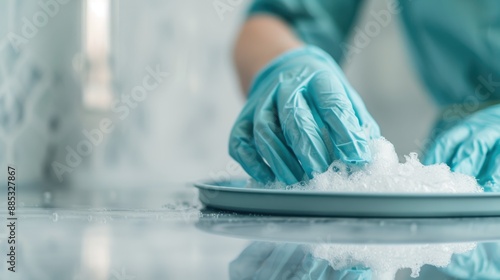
[[300, 116], [472, 147]]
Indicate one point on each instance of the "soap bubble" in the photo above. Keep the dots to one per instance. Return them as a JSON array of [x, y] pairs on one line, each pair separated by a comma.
[[386, 174], [55, 217], [385, 260], [47, 197]]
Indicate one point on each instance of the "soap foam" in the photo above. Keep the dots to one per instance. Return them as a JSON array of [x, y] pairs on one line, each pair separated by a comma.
[[386, 174], [385, 260]]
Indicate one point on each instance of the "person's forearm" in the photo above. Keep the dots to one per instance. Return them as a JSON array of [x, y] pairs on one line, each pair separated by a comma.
[[262, 38]]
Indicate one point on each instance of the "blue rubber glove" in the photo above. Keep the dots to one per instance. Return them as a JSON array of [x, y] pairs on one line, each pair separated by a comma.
[[264, 260], [472, 147], [480, 263], [301, 114]]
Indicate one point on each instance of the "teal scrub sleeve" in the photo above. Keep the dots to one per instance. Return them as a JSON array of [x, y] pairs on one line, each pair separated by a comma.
[[323, 23]]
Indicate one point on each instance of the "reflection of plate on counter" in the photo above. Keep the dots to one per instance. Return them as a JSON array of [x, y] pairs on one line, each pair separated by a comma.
[[233, 196], [301, 229], [349, 230]]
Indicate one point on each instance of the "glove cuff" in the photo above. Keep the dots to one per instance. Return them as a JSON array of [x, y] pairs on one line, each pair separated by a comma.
[[286, 57]]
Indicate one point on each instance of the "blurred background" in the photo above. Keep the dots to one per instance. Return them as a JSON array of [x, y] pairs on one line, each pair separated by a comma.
[[136, 93]]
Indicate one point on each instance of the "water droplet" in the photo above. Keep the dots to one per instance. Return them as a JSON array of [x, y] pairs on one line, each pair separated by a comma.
[[55, 217], [413, 228], [89, 218], [47, 197]]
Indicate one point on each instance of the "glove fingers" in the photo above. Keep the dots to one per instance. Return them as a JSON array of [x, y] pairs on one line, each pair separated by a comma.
[[443, 149], [369, 125], [301, 132], [490, 175], [336, 111], [480, 263], [366, 121], [242, 148], [281, 262], [355, 274], [271, 144], [470, 156], [250, 260]]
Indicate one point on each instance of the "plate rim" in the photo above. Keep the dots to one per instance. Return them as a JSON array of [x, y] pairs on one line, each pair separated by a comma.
[[211, 186]]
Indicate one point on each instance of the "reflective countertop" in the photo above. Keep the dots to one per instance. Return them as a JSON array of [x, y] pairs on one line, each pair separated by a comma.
[[165, 233]]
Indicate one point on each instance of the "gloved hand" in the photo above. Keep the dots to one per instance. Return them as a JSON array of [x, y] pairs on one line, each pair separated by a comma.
[[301, 114], [480, 263], [472, 147], [264, 260]]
